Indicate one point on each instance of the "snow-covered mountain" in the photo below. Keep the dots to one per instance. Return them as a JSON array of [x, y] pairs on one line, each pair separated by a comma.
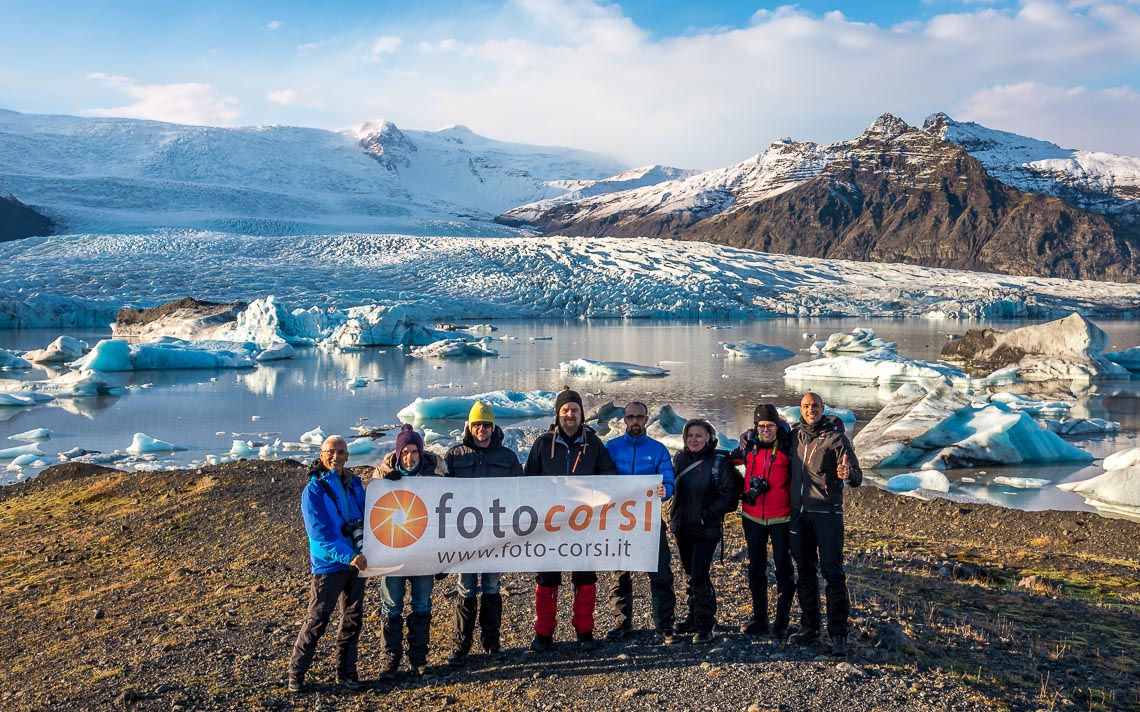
[[1102, 182], [895, 193], [116, 175]]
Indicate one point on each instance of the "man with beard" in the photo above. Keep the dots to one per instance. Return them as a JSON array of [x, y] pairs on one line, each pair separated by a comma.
[[568, 449], [635, 453], [479, 454], [822, 464]]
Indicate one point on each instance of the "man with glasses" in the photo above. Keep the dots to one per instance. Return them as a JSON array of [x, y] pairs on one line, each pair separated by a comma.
[[480, 454], [635, 453], [333, 509], [822, 464]]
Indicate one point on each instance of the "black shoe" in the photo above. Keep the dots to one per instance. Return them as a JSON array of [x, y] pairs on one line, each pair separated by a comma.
[[616, 634], [685, 626], [541, 643], [719, 629], [779, 632], [806, 636], [419, 667], [457, 659], [586, 641], [297, 685], [351, 683], [703, 637], [496, 653], [756, 627], [839, 647], [669, 638]]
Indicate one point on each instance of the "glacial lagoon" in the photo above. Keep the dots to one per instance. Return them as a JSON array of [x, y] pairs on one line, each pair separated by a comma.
[[206, 410]]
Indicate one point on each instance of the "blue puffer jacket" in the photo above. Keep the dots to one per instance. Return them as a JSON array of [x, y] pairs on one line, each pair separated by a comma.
[[330, 547], [642, 456]]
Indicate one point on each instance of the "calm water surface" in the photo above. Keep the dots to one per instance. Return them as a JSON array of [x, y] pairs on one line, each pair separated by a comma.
[[284, 399]]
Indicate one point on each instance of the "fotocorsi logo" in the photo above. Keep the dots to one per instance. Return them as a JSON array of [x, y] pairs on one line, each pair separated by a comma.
[[398, 519]]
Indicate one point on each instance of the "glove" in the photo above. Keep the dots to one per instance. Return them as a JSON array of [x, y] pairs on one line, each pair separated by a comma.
[[441, 576]]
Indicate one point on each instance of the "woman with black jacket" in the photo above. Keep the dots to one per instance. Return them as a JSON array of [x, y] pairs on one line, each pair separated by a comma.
[[705, 490]]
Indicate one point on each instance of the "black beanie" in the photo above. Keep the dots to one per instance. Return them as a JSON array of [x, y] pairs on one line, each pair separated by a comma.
[[566, 396], [766, 413]]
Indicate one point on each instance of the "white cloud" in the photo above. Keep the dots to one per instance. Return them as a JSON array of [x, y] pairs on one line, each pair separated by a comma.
[[284, 97], [382, 46], [184, 103], [1073, 117], [306, 48], [273, 25], [445, 45]]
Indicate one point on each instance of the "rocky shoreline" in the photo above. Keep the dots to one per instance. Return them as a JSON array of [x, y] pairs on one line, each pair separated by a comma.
[[184, 589]]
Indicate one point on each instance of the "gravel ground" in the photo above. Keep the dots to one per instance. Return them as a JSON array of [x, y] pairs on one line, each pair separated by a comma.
[[185, 589]]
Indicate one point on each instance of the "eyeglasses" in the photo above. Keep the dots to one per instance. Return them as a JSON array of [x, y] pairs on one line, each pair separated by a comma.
[[335, 452], [765, 426], [482, 425], [635, 417]]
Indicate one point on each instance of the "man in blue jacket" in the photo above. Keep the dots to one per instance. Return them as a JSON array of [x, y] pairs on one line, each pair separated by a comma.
[[635, 453], [333, 508]]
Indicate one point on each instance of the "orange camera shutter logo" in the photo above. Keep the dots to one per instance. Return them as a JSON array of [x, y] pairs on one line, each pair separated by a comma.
[[398, 519]]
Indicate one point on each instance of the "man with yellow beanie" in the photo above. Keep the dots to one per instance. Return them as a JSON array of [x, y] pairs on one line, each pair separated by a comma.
[[479, 454]]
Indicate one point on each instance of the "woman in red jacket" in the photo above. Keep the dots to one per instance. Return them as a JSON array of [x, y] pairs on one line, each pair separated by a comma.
[[766, 513]]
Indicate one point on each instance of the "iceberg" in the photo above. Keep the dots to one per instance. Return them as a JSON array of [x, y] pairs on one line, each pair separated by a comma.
[[28, 459], [10, 361], [1129, 358], [1022, 482], [143, 443], [14, 452], [1124, 458], [19, 399], [168, 353], [881, 366], [316, 436], [1082, 427], [456, 348], [276, 352], [937, 427], [923, 479], [242, 448], [667, 426], [757, 352], [609, 370], [1030, 405], [860, 339], [63, 350], [107, 355], [32, 435], [507, 404], [1117, 490], [74, 384], [382, 325]]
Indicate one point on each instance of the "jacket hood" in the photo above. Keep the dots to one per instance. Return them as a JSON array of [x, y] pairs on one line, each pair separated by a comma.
[[713, 441]]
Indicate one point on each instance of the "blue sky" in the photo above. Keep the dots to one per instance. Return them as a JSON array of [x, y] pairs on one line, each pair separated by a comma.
[[682, 83]]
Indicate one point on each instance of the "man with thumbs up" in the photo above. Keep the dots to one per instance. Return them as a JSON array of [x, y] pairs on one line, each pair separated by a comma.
[[822, 464]]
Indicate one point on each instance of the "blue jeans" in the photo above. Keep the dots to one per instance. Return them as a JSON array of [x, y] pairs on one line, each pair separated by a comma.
[[392, 590], [471, 585]]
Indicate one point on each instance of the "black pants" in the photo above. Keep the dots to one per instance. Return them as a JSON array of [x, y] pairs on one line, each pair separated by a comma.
[[325, 592], [757, 536], [554, 578], [663, 597], [696, 558], [817, 546]]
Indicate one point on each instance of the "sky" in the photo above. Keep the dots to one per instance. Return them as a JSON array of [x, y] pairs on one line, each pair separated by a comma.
[[687, 84]]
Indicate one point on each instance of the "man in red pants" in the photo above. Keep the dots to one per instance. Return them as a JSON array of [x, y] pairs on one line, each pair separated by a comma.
[[568, 449]]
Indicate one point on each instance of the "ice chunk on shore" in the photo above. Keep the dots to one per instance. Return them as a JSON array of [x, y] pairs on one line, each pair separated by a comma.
[[32, 436], [143, 443], [881, 366], [10, 361], [923, 479], [456, 348], [63, 350], [507, 404], [609, 370], [14, 452], [1117, 490], [757, 352], [859, 339]]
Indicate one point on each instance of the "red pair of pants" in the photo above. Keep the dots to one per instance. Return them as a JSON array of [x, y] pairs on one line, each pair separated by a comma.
[[546, 601]]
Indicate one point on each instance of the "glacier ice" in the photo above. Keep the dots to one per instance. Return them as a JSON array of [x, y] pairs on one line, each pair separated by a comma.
[[143, 443]]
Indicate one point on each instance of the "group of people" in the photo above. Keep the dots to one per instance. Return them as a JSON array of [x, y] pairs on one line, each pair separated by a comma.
[[790, 494]]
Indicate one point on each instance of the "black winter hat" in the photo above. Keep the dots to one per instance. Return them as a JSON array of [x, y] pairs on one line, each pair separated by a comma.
[[566, 396], [766, 413], [408, 436]]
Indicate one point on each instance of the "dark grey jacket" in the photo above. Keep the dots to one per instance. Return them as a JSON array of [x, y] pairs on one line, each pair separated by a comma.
[[468, 460], [816, 453]]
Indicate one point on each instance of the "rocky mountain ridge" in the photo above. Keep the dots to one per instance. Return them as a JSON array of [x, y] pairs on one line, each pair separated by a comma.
[[894, 194]]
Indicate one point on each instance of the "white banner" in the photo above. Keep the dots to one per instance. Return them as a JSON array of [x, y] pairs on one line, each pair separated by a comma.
[[428, 525]]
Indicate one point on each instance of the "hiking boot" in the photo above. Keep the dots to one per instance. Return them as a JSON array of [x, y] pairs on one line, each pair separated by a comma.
[[586, 641], [756, 627], [839, 647], [457, 659], [389, 666], [616, 634], [351, 682], [685, 626], [779, 632], [806, 636], [297, 685], [541, 643], [703, 637], [419, 667]]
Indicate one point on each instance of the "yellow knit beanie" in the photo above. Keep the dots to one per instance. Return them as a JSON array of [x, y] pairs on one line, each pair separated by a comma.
[[481, 413]]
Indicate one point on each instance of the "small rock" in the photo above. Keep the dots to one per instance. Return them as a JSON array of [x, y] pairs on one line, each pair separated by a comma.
[[99, 614], [161, 689], [632, 692], [623, 656], [848, 669]]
